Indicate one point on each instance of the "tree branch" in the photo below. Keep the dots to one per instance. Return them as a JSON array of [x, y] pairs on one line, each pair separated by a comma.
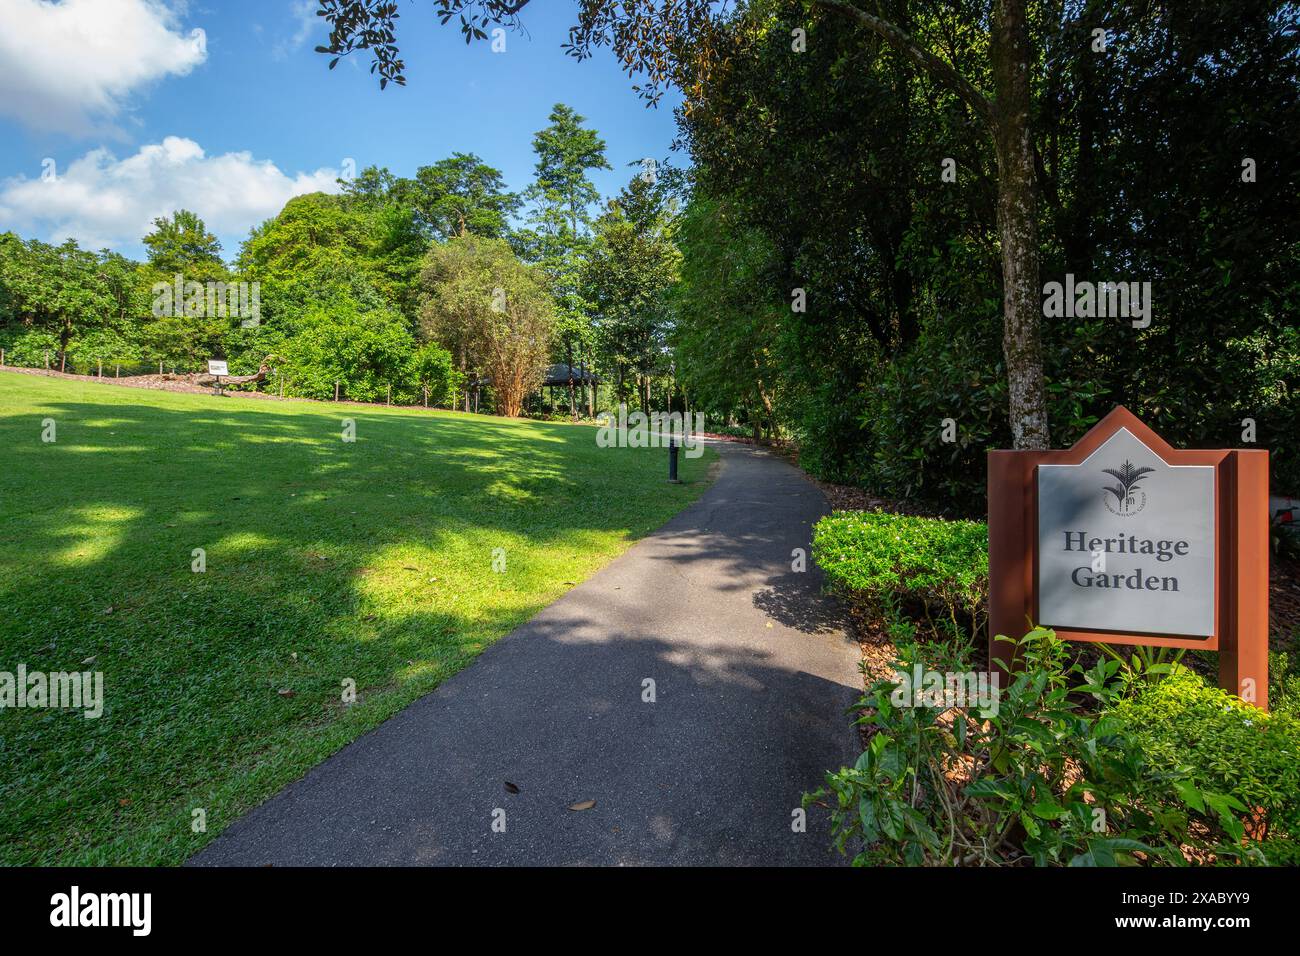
[[901, 41]]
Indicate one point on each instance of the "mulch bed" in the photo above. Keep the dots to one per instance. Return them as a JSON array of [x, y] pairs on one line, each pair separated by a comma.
[[1283, 605], [185, 384], [162, 383], [846, 498]]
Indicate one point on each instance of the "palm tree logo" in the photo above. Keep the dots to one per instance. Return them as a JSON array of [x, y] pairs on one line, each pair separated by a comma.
[[1126, 478]]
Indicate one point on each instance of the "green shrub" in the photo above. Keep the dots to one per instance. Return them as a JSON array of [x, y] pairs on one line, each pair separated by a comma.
[[434, 369], [30, 347], [1284, 679], [366, 352], [1033, 777], [884, 558], [105, 343], [1184, 725], [948, 372], [832, 420]]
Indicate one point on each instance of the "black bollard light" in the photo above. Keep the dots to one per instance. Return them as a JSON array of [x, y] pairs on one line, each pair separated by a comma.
[[672, 460]]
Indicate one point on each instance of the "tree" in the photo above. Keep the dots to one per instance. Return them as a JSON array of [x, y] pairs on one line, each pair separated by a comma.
[[64, 292], [181, 330], [370, 189], [493, 311], [310, 239], [657, 39], [562, 192], [366, 352], [463, 196], [457, 196], [855, 210], [559, 236], [321, 247], [632, 264], [864, 245], [182, 245], [727, 324]]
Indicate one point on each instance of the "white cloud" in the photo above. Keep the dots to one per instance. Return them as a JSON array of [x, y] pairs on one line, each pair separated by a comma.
[[104, 202], [306, 23], [70, 66]]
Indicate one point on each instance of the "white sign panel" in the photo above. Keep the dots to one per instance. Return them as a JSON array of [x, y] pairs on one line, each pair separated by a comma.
[[1126, 543], [217, 368]]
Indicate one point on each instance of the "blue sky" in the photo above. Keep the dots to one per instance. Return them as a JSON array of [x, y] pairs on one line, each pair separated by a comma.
[[138, 112]]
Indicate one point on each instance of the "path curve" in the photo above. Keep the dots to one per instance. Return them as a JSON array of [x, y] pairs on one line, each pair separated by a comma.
[[752, 674]]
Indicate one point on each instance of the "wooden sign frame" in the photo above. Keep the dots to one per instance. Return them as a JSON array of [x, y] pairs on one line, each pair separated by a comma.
[[1240, 564]]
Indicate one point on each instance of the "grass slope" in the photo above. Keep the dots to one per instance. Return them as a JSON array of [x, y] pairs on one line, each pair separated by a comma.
[[326, 561]]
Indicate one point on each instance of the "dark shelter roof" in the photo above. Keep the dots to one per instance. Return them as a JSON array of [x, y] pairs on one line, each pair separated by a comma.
[[561, 373]]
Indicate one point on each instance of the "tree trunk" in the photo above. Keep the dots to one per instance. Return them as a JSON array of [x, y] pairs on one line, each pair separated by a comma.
[[1018, 226], [464, 381], [573, 401], [582, 378], [1008, 118], [591, 393]]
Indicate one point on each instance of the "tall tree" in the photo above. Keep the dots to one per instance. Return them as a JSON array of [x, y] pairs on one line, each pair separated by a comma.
[[181, 244], [363, 245], [559, 232], [656, 39], [482, 302], [562, 191], [632, 264], [462, 196]]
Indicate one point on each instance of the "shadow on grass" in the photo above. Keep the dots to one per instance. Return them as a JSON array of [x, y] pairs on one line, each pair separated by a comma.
[[709, 774], [327, 562]]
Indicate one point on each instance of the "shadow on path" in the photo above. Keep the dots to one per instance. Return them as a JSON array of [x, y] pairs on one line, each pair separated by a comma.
[[751, 678]]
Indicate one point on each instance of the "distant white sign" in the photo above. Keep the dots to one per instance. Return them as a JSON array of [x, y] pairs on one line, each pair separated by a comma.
[[1126, 543], [217, 368]]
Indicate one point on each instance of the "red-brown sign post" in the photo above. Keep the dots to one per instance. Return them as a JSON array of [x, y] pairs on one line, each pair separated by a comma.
[[1125, 540]]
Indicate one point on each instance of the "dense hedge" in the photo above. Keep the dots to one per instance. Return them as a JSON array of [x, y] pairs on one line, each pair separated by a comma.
[[1224, 745], [887, 557]]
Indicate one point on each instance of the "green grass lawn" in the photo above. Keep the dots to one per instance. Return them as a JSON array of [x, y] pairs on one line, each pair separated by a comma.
[[326, 561]]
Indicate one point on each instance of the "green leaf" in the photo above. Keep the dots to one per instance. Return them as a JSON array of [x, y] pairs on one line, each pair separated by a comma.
[[1191, 796], [1048, 810]]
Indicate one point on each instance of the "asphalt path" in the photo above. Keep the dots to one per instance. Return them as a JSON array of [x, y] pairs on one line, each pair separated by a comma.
[[752, 673]]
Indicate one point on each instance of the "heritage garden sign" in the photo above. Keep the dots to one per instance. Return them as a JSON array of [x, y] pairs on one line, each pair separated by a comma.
[[1123, 539]]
